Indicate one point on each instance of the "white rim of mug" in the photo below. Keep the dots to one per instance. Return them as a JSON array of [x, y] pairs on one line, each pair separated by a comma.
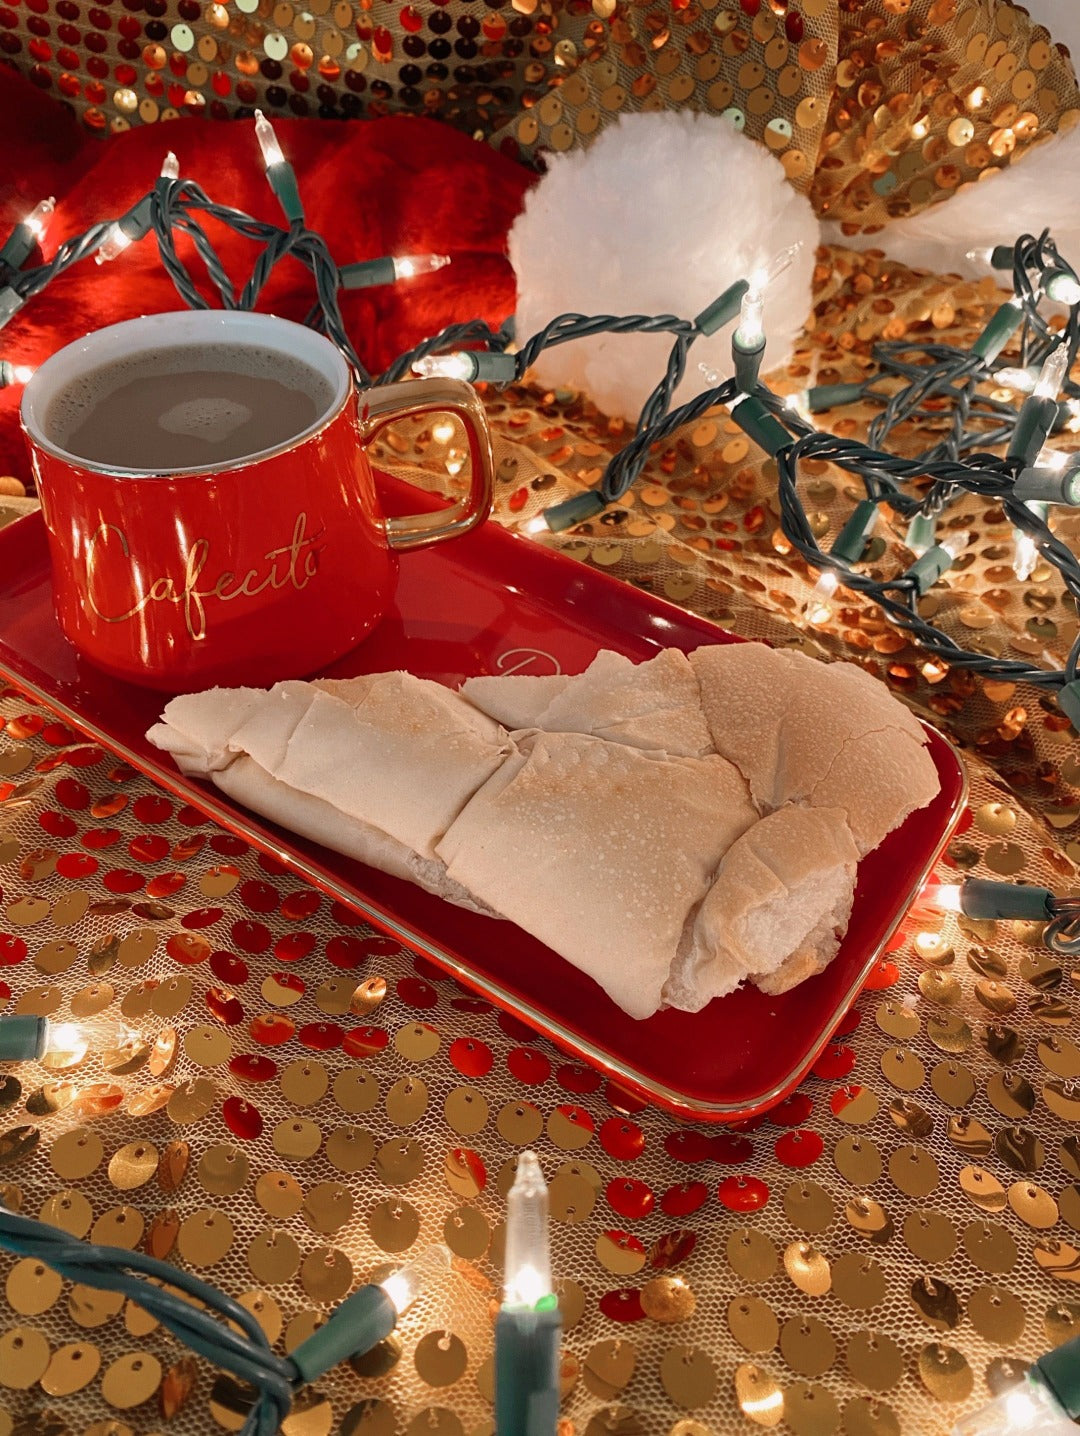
[[178, 330]]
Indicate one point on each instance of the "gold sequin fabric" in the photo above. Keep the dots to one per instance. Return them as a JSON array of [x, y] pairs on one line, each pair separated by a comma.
[[877, 109], [931, 95], [308, 1102], [305, 1103]]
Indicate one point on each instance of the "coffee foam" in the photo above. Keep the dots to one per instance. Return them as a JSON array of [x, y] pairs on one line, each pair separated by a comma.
[[213, 420]]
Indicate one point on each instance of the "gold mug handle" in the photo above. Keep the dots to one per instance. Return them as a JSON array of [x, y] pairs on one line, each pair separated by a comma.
[[378, 407]]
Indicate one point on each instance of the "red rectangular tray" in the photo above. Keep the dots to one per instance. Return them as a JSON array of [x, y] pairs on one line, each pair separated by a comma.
[[492, 603]]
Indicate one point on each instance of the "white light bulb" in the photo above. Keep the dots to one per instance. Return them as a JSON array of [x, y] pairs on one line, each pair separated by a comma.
[[1025, 555], [410, 265], [528, 1258], [920, 129], [983, 254], [1026, 1410], [38, 218], [442, 432], [538, 524], [1053, 372], [22, 373], [114, 243], [444, 366], [268, 141], [799, 403], [170, 167], [1053, 459], [818, 607], [955, 544], [945, 896], [75, 1038], [1064, 288], [1022, 380], [751, 331], [405, 1285]]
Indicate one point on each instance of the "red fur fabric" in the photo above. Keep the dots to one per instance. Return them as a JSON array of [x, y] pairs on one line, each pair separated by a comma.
[[371, 187]]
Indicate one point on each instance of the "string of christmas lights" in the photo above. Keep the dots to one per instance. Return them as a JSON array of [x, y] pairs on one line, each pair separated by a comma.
[[932, 383], [964, 395], [214, 1326]]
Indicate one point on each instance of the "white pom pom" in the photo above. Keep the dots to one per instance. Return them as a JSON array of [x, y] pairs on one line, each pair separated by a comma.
[[659, 216]]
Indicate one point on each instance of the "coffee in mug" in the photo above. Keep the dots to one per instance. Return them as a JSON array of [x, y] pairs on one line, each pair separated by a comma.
[[187, 408], [210, 506]]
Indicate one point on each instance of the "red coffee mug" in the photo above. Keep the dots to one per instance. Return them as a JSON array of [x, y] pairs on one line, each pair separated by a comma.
[[268, 567]]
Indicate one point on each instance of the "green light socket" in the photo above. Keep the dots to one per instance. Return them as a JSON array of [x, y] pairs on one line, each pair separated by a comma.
[[852, 539], [723, 309], [758, 424]]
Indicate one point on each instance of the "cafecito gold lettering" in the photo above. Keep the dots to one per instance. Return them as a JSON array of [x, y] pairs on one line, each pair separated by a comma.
[[293, 565]]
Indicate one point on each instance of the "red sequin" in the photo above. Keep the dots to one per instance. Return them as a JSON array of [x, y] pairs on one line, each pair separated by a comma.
[[885, 973], [202, 917], [471, 1057], [835, 1063], [242, 1119], [623, 1305], [793, 1112], [229, 1010], [72, 794], [12, 949], [187, 949], [251, 936], [623, 1140], [76, 866], [321, 1036], [294, 946], [81, 757], [55, 734], [300, 905], [517, 1030], [258, 897], [227, 967], [528, 1065], [743, 1193], [799, 1149], [730, 1149], [416, 993], [153, 809], [57, 825], [576, 1078], [253, 1067], [684, 1199], [687, 1146], [345, 952], [630, 1198], [148, 848], [365, 1041], [271, 1029], [123, 881]]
